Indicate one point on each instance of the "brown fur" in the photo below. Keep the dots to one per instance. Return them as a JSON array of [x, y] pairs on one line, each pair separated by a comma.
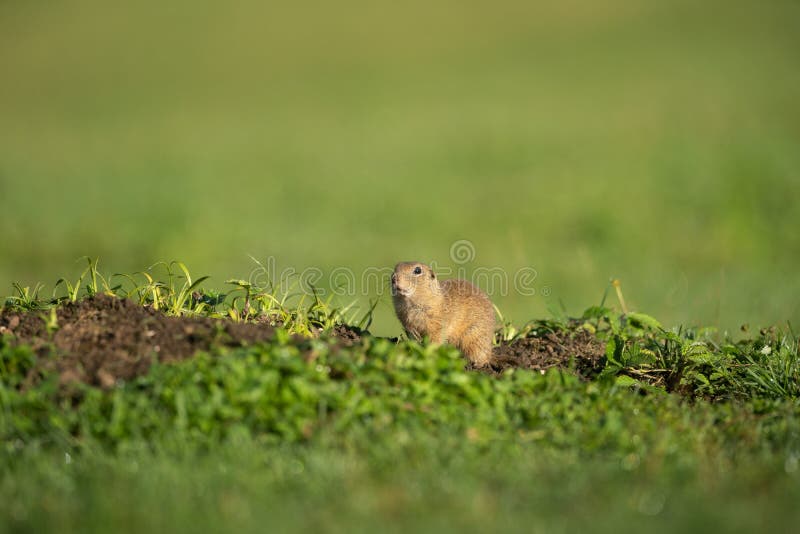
[[447, 311]]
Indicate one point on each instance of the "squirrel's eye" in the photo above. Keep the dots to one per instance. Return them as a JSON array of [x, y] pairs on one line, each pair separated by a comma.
[[417, 270]]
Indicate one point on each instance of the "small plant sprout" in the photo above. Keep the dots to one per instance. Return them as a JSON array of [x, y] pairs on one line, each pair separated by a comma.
[[51, 321], [174, 298], [366, 319], [618, 288], [96, 282], [507, 330], [26, 298]]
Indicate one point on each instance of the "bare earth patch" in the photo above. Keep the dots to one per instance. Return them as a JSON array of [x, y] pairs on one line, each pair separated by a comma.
[[579, 350], [103, 340]]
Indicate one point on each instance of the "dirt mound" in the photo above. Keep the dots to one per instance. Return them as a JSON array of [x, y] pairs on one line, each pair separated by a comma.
[[578, 349], [103, 339], [348, 335]]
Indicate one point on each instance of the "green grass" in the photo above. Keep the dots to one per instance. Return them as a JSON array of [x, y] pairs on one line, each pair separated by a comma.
[[652, 143], [521, 489], [258, 437]]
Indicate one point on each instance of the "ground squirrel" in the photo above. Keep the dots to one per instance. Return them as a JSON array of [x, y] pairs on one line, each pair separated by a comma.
[[447, 311]]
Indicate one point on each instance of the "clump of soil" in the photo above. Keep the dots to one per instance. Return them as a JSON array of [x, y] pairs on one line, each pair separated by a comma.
[[348, 335], [576, 349], [103, 339]]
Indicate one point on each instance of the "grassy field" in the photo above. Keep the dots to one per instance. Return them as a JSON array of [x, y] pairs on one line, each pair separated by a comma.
[[653, 143]]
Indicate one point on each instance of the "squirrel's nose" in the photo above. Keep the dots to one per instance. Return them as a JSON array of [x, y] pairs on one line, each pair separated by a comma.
[[394, 279]]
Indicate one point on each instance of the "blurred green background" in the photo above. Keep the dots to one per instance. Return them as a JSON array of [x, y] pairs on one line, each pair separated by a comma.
[[656, 142]]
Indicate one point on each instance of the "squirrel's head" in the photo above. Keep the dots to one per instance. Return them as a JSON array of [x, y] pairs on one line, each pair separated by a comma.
[[412, 277]]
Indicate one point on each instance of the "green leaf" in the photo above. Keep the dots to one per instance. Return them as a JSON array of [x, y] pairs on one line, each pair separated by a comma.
[[643, 321]]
